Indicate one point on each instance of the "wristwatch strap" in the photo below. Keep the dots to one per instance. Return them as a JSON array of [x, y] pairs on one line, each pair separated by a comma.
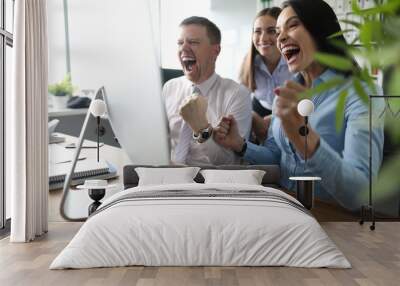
[[203, 135], [243, 151]]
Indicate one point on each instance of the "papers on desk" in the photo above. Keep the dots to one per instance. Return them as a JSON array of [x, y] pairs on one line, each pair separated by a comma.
[[84, 169], [86, 144], [58, 155]]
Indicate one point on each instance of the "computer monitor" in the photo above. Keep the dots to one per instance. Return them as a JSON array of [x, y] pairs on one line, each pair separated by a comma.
[[126, 65], [124, 60]]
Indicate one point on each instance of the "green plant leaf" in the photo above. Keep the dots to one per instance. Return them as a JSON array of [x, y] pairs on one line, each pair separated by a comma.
[[392, 124], [340, 109], [340, 33], [333, 61], [394, 83], [325, 86], [339, 44], [388, 8], [391, 26], [354, 41], [352, 23], [355, 8], [392, 116], [380, 57], [387, 184], [365, 76], [360, 89], [64, 87], [366, 32]]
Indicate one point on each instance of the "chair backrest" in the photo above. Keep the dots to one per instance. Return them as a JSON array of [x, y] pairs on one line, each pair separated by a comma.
[[167, 74]]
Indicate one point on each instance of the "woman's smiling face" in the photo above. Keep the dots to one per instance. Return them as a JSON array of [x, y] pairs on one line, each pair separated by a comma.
[[294, 41], [264, 37]]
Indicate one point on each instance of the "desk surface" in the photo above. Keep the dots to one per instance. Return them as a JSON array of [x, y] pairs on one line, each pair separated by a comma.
[[78, 200], [53, 112], [56, 112]]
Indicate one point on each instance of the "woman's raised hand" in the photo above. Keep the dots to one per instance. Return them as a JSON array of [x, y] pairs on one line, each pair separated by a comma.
[[286, 109], [226, 134]]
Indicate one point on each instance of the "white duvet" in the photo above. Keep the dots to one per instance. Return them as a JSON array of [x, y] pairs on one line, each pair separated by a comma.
[[200, 231]]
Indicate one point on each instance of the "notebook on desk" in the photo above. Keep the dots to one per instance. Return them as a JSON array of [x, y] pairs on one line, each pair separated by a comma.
[[85, 169]]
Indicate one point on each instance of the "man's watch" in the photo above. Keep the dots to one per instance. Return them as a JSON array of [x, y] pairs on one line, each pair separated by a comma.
[[243, 151], [203, 134]]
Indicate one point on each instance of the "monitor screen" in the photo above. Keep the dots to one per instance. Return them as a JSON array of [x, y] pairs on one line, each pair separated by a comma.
[[112, 44]]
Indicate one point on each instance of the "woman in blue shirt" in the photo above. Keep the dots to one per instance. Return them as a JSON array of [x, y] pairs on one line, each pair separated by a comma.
[[339, 158]]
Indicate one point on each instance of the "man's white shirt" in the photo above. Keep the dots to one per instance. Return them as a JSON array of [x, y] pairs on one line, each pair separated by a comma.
[[225, 97]]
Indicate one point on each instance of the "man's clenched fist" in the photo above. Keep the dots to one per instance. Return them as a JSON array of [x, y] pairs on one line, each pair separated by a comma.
[[193, 110]]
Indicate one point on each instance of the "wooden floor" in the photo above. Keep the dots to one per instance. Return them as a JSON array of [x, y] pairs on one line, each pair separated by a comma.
[[375, 257]]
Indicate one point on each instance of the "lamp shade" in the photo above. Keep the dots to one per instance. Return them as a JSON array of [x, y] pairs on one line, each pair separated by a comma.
[[305, 107], [98, 107]]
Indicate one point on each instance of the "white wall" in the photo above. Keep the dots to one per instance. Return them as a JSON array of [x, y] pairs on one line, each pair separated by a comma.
[[233, 17], [82, 33], [111, 45], [56, 34]]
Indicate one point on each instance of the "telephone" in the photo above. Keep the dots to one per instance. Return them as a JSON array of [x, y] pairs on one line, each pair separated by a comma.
[[79, 102]]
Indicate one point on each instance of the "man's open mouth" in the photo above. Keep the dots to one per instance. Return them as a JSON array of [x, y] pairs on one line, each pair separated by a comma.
[[188, 63], [290, 52]]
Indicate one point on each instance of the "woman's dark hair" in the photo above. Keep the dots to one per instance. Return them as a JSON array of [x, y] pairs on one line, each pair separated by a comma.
[[321, 27], [246, 75]]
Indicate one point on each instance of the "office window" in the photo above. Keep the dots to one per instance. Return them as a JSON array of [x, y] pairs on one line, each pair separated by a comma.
[[8, 78], [6, 43]]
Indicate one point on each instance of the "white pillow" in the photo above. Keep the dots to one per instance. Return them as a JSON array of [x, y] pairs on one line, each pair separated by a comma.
[[248, 177], [165, 176]]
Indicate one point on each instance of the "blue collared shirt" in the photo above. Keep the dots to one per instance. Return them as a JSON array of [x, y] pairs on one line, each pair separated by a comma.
[[267, 82], [342, 158]]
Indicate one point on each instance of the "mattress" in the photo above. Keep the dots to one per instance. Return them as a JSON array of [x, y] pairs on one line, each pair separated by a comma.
[[201, 225]]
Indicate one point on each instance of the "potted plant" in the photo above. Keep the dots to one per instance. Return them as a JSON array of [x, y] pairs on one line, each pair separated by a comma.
[[61, 92]]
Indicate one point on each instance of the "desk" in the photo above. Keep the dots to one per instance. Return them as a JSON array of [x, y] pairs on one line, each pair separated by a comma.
[[78, 200]]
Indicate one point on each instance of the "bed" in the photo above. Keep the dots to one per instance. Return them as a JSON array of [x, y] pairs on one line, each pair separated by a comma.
[[201, 224]]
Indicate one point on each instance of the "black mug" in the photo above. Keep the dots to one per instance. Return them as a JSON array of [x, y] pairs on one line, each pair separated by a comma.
[[305, 193]]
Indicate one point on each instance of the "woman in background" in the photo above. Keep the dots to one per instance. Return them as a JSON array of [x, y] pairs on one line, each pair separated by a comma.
[[264, 68]]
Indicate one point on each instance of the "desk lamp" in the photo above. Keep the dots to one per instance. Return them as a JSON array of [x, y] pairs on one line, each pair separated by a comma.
[[305, 184], [98, 109], [305, 107]]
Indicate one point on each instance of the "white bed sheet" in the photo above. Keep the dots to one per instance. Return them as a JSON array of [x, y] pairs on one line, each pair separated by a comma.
[[201, 231]]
